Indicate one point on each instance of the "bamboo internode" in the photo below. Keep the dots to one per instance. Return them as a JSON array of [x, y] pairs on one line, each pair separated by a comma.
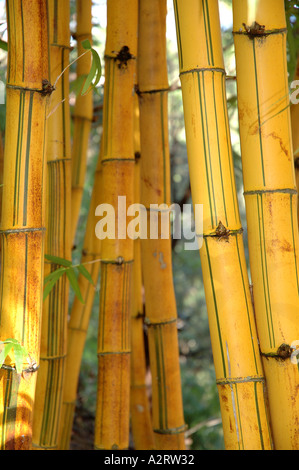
[[23, 214], [234, 340], [58, 240], [118, 163], [271, 203], [161, 314]]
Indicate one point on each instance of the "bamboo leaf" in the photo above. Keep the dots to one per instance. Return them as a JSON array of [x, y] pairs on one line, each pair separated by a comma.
[[76, 85], [4, 353], [96, 68], [59, 261], [89, 78], [48, 287], [74, 283], [55, 275], [3, 45], [85, 273]]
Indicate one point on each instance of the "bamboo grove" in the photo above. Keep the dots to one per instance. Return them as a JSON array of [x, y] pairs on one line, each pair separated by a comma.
[[252, 305]]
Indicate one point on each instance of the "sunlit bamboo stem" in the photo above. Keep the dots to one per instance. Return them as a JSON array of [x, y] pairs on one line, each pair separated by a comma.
[[271, 203], [295, 134], [80, 316], [140, 409], [237, 361], [113, 398], [160, 304], [58, 241], [23, 214]]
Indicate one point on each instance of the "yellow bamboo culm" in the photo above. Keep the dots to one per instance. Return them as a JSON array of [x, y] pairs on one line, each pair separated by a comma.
[[23, 214], [80, 316], [83, 112], [271, 204], [118, 163], [295, 135], [58, 240], [140, 409], [161, 313], [238, 368], [1, 173]]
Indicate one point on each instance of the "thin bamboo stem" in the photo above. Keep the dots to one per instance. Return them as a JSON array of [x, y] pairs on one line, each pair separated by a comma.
[[58, 243], [160, 304], [140, 408], [271, 203], [114, 348], [238, 368], [23, 214], [80, 316], [83, 112]]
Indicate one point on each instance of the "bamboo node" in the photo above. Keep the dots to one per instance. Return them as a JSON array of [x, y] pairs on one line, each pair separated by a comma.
[[47, 88], [123, 57], [283, 352], [120, 261], [172, 431], [255, 29]]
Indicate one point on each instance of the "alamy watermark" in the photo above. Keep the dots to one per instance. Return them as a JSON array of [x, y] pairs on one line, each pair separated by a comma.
[[136, 221]]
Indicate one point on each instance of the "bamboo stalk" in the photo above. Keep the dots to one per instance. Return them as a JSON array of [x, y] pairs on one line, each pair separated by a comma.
[[271, 203], [112, 415], [23, 214], [161, 312], [83, 112], [58, 241], [140, 408], [80, 316], [238, 368], [295, 136], [1, 173]]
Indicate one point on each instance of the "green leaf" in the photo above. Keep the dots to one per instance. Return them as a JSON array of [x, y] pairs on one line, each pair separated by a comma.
[[96, 68], [90, 77], [55, 275], [4, 353], [48, 287], [85, 273], [19, 355], [74, 283], [11, 340], [77, 85], [59, 261], [3, 45], [86, 44]]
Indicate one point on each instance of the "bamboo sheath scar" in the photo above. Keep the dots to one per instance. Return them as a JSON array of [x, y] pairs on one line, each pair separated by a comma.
[[83, 112], [239, 373], [160, 304], [23, 214], [58, 242], [118, 163], [271, 204], [295, 135], [140, 409], [80, 316]]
